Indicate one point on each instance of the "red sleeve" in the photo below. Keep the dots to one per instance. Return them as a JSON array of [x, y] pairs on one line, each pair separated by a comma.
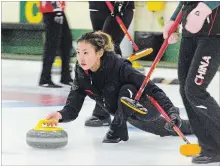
[[52, 6]]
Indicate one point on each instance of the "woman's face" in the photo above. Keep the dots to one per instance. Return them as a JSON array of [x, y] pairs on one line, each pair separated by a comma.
[[87, 55]]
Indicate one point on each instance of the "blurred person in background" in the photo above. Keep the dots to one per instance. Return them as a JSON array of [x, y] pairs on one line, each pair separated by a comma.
[[58, 36], [102, 19]]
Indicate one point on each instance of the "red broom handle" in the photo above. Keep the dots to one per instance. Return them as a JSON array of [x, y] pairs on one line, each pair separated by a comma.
[[123, 27], [158, 57], [160, 109]]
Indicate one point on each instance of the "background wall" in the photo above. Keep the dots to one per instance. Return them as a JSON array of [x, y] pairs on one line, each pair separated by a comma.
[[78, 14], [7, 15], [146, 20], [22, 41]]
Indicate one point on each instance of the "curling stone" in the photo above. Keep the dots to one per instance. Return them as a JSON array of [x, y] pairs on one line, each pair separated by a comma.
[[46, 137]]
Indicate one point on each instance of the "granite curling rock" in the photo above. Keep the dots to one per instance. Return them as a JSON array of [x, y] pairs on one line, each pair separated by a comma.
[[46, 137]]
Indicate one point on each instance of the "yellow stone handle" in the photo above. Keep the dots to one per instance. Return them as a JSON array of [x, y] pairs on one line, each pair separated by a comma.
[[40, 126]]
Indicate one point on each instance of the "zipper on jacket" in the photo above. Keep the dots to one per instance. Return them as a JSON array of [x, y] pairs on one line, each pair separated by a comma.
[[90, 79], [103, 99]]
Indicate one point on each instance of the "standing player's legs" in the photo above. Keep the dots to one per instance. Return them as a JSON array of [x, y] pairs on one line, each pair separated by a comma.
[[53, 38], [98, 19], [66, 48], [203, 68], [193, 60], [112, 27], [186, 52]]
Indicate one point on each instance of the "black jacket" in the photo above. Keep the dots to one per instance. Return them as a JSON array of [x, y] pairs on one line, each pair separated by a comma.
[[104, 86]]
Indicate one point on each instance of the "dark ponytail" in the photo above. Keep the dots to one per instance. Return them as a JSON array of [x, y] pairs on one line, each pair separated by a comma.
[[99, 40]]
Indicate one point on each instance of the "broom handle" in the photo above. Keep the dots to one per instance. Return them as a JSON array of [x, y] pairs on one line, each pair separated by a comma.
[[167, 118], [122, 25], [158, 57]]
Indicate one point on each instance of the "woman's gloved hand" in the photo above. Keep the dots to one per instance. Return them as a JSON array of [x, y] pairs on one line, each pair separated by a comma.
[[173, 113]]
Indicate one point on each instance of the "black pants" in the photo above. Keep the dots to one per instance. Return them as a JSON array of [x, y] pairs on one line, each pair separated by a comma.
[[152, 122], [58, 37], [199, 59], [105, 22]]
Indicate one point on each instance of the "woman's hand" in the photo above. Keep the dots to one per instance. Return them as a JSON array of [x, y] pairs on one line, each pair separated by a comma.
[[174, 37], [53, 118]]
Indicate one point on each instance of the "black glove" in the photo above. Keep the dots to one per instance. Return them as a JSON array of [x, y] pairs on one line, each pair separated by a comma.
[[59, 18], [119, 8], [173, 113]]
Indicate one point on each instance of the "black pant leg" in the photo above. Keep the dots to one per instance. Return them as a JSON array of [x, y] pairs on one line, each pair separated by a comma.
[[203, 68], [66, 48], [99, 112], [53, 38], [187, 49], [98, 19], [112, 27], [186, 52]]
